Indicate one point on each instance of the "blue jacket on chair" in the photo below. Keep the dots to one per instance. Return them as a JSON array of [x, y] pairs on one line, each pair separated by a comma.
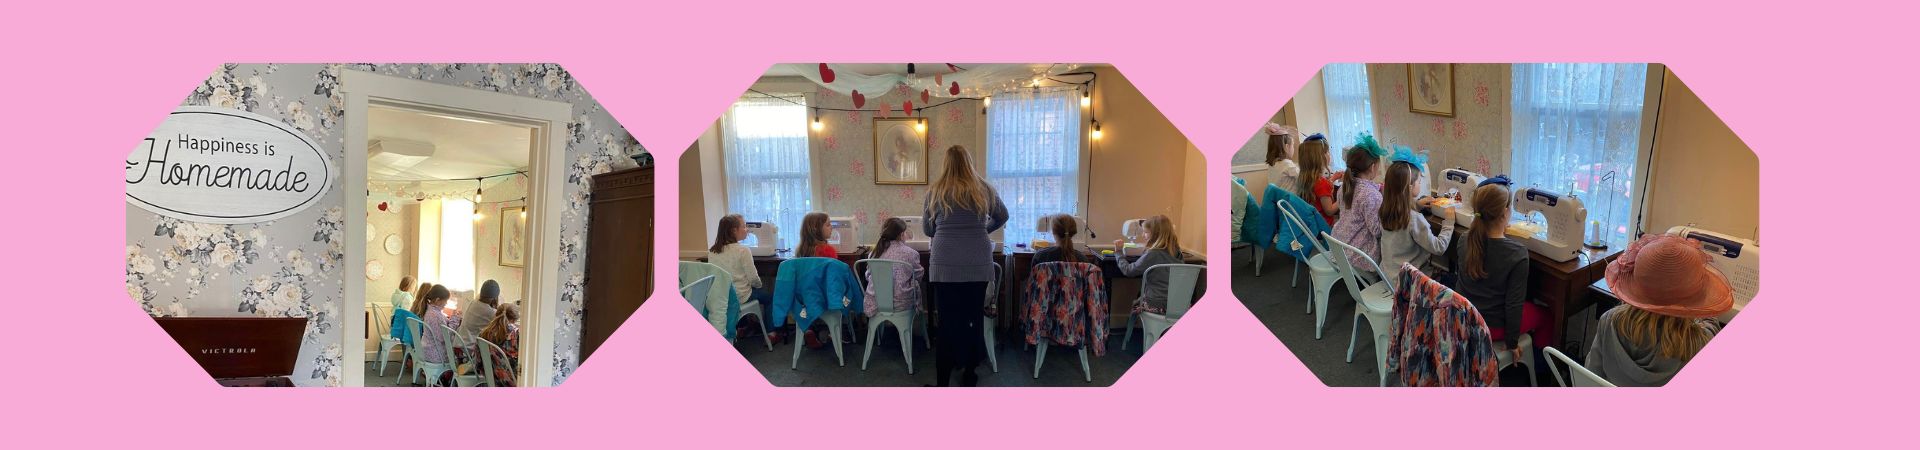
[[1288, 237], [1257, 227], [817, 284]]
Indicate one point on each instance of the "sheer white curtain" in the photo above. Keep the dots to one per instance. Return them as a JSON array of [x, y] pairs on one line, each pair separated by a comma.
[[456, 245], [767, 164], [1349, 106], [1573, 125], [1033, 156]]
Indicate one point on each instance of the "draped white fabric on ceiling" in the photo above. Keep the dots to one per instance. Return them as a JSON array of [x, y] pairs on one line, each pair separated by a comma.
[[974, 80]]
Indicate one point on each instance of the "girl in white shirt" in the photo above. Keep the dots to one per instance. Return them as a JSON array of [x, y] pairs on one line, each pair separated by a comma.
[[1281, 170], [736, 259]]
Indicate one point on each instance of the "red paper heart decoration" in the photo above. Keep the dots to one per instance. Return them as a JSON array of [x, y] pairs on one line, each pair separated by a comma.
[[383, 206], [925, 96], [952, 67], [954, 89], [907, 107], [939, 79], [826, 74], [858, 100]]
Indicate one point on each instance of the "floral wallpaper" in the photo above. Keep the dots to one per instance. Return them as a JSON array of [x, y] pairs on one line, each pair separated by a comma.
[[843, 152], [1475, 138], [292, 267]]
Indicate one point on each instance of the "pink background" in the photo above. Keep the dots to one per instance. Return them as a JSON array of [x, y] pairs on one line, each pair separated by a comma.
[[1817, 89]]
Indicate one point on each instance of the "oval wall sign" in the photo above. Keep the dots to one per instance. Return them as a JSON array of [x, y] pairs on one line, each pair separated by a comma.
[[220, 165]]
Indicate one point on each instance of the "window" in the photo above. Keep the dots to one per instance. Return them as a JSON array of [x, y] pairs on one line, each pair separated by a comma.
[[1576, 125], [444, 248], [767, 164], [1033, 156], [1349, 107]]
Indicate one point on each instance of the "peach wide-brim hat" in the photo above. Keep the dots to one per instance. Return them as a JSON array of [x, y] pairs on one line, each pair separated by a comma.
[[1672, 276]]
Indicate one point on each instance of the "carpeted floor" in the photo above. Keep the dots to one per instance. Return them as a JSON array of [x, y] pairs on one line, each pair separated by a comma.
[[888, 367]]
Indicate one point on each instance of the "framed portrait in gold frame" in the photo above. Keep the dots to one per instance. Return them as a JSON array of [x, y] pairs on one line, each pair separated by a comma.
[[899, 150], [1430, 88]]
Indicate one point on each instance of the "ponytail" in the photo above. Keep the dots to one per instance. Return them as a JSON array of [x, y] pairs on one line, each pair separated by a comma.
[[1359, 162], [1063, 229], [1490, 203]]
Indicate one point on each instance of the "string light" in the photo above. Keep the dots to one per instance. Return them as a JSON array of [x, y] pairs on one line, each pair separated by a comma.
[[1096, 130], [1086, 98], [986, 102], [479, 189], [920, 126], [816, 120]]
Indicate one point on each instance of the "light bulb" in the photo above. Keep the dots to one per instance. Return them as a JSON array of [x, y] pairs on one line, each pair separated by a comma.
[[987, 101], [816, 124], [523, 214], [477, 216], [1086, 100], [920, 126], [1096, 131]]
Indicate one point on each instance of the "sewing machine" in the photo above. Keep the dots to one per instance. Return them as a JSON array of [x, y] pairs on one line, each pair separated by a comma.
[[762, 237], [1460, 181], [1565, 220], [1043, 231], [1738, 259], [915, 239], [845, 235], [1132, 230]]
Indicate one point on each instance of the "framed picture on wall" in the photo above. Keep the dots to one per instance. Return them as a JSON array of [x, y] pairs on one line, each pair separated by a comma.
[[1430, 89], [513, 236], [899, 150]]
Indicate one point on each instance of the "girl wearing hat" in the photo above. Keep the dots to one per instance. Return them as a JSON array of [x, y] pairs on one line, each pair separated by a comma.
[[1669, 294], [1281, 170], [1359, 224], [1407, 239], [1313, 186]]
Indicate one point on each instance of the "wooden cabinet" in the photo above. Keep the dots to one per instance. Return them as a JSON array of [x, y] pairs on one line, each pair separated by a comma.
[[619, 253]]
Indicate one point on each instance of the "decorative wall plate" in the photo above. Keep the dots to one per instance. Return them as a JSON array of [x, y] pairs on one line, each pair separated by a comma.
[[393, 244]]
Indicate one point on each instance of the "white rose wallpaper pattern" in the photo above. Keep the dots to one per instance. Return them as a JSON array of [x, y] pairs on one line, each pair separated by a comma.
[[293, 267]]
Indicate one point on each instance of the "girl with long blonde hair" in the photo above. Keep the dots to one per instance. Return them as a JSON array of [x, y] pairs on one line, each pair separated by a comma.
[[961, 211], [1163, 247]]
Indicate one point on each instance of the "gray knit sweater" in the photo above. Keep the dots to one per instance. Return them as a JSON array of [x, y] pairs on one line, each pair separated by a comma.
[[961, 250]]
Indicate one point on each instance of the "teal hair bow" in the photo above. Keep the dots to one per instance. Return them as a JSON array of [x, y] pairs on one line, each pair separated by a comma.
[[1365, 141], [1402, 153]]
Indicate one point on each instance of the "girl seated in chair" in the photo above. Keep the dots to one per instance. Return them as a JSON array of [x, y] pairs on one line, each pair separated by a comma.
[[906, 277], [1163, 247], [1669, 294], [1493, 270], [1064, 228]]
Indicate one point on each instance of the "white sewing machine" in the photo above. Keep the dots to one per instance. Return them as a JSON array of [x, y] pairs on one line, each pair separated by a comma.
[[1738, 259], [915, 239], [1460, 181], [845, 235], [762, 237], [1565, 221], [1132, 230], [1043, 231]]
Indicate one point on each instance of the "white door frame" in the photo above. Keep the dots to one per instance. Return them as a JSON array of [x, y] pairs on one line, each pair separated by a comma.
[[546, 182]]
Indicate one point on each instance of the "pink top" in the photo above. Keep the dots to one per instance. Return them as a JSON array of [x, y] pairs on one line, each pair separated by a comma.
[[1359, 224], [433, 342], [905, 278]]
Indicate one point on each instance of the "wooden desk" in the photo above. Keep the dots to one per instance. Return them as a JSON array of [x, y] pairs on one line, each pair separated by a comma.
[[1561, 285]]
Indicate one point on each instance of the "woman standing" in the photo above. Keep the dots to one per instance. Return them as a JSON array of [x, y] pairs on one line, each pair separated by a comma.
[[961, 210]]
